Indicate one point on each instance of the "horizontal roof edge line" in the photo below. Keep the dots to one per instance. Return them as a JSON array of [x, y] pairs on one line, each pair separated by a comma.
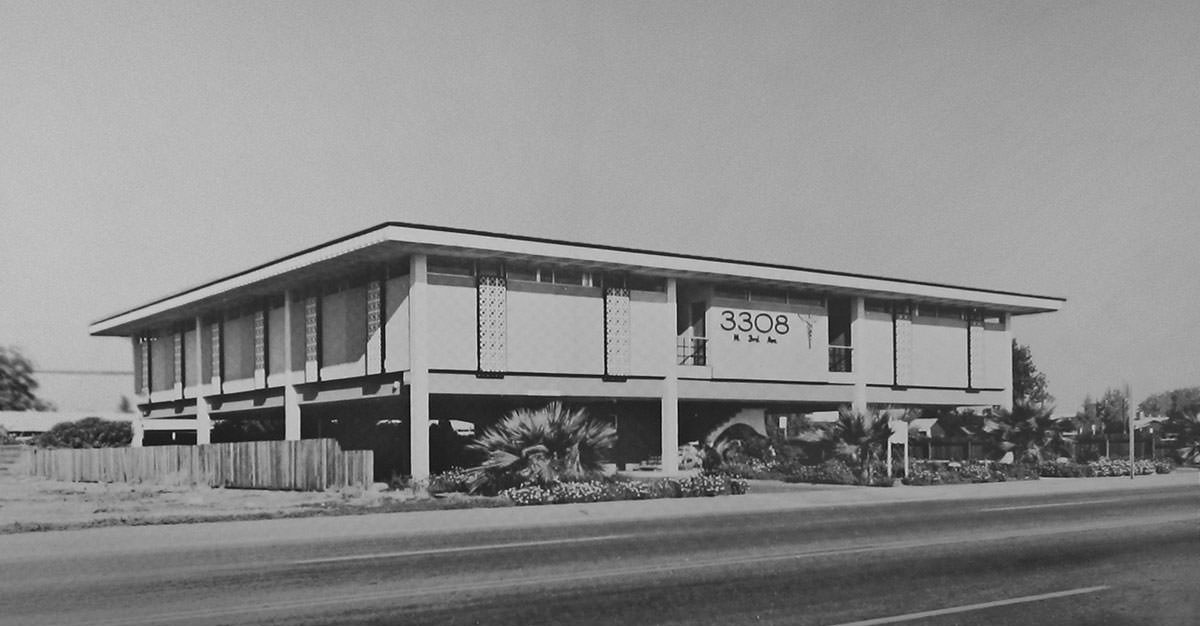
[[562, 242]]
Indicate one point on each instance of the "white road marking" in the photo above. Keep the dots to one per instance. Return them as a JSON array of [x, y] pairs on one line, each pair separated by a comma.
[[974, 607], [1053, 504], [490, 546]]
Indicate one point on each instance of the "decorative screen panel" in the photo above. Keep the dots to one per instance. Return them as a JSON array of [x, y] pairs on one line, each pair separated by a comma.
[[617, 332], [492, 325], [375, 349], [902, 336], [144, 364], [177, 361], [216, 356], [312, 339], [260, 349], [975, 354]]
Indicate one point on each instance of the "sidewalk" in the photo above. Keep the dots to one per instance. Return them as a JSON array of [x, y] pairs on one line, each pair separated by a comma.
[[782, 498]]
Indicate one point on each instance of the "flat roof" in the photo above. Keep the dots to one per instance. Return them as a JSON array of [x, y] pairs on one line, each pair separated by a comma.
[[395, 240]]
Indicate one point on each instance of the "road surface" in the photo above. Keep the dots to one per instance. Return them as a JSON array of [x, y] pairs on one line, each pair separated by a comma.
[[1116, 557]]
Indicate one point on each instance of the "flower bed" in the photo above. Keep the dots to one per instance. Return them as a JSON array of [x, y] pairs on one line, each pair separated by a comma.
[[951, 473], [701, 485], [1104, 467]]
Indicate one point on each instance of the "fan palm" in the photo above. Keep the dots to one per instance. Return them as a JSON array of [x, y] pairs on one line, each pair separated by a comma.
[[858, 437], [541, 446], [1029, 431]]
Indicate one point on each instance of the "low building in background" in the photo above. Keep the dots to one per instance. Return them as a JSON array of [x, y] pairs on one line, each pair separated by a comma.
[[386, 337]]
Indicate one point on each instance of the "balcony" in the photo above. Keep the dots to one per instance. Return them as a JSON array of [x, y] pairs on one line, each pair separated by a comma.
[[692, 351], [841, 359]]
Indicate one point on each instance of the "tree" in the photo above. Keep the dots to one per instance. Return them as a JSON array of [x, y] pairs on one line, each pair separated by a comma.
[[541, 446], [1175, 403], [859, 438], [89, 432], [17, 384], [125, 405], [1029, 431], [1182, 409], [1029, 385], [1106, 415]]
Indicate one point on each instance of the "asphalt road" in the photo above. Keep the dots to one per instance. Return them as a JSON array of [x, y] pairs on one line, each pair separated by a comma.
[[1128, 557]]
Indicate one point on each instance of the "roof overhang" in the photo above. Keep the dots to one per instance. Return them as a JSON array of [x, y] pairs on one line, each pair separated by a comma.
[[393, 242]]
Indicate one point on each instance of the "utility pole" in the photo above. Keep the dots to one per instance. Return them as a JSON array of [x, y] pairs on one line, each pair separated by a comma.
[[1129, 416]]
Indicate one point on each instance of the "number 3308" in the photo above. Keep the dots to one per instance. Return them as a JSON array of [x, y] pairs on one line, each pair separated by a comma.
[[746, 321]]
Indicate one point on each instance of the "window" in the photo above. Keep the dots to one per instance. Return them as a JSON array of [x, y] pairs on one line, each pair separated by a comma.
[[645, 283], [451, 266], [517, 271]]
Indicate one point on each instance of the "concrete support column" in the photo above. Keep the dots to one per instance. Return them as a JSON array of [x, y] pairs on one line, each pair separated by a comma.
[[670, 393], [1006, 402], [139, 432], [203, 419], [859, 313], [418, 392], [291, 399]]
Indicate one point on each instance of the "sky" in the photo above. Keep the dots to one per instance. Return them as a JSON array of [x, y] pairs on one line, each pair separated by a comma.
[[1050, 148]]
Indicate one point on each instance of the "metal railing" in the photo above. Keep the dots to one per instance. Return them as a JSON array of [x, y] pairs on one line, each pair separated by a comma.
[[841, 359], [692, 351]]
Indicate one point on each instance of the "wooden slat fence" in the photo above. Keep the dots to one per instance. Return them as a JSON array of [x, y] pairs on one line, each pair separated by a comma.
[[305, 465]]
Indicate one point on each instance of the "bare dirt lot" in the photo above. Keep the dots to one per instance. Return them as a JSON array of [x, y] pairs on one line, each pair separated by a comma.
[[30, 504]]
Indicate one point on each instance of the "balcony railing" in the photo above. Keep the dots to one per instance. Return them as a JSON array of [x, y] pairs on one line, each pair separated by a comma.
[[692, 351], [841, 359]]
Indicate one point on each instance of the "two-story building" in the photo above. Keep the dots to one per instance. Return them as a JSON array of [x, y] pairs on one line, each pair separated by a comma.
[[404, 325]]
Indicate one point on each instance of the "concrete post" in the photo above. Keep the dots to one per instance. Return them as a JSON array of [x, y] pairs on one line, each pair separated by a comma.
[[291, 399], [670, 394], [203, 417], [139, 432], [859, 313], [418, 337], [1006, 401]]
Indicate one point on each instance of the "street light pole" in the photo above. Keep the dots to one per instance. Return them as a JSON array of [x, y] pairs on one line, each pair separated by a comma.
[[1129, 416]]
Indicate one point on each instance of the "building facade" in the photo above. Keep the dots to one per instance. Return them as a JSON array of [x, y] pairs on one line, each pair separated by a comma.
[[408, 325]]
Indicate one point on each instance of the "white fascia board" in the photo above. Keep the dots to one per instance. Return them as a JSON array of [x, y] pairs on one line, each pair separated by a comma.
[[733, 269], [317, 255], [434, 238]]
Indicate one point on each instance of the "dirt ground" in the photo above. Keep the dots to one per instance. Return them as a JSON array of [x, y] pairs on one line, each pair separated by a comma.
[[32, 504]]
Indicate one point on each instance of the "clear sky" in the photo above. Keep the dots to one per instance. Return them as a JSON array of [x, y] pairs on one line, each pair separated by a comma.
[[1042, 147]]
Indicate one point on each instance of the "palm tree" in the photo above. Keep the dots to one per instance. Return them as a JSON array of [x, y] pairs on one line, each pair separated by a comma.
[[858, 437], [541, 446], [1029, 431]]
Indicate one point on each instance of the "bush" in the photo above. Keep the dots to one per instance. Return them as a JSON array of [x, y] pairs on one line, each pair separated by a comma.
[[1163, 465], [89, 432], [453, 480], [832, 472], [942, 473], [5, 438], [607, 491], [543, 447]]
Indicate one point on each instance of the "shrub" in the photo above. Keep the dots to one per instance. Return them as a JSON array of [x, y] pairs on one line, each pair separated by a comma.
[[831, 472], [605, 491], [541, 447], [89, 432], [1163, 465], [5, 438], [453, 480]]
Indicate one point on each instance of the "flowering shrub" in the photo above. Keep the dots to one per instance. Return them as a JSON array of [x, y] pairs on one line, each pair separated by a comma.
[[453, 480], [601, 491], [832, 472], [935, 473], [1163, 465], [1104, 466]]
